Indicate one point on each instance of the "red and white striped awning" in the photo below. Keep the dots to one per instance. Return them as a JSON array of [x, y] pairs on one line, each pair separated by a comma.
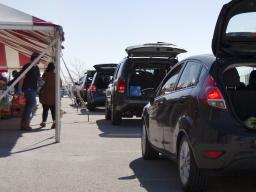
[[22, 34]]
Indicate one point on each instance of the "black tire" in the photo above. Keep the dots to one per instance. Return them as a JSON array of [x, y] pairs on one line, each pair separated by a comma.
[[148, 153], [107, 112], [194, 181], [116, 117], [90, 107]]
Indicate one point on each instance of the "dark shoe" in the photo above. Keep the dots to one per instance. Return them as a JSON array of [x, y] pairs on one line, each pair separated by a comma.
[[53, 126], [25, 125], [43, 124]]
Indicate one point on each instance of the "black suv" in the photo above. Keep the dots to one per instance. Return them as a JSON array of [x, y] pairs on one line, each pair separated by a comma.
[[204, 112], [96, 93], [145, 67]]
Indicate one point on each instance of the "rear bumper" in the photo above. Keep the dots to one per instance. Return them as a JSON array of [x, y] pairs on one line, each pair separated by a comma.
[[97, 100], [134, 107], [235, 156]]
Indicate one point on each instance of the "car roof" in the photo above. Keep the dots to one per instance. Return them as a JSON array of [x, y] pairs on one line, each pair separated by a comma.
[[207, 59]]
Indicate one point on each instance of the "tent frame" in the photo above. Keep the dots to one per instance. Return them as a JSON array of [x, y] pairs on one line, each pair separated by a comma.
[[56, 43]]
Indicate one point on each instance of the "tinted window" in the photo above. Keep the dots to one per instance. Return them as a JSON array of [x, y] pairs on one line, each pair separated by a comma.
[[102, 81], [169, 85], [116, 72], [190, 75]]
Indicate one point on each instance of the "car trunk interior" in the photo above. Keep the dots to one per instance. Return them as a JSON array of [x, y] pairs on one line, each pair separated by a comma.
[[240, 84], [102, 81], [146, 74]]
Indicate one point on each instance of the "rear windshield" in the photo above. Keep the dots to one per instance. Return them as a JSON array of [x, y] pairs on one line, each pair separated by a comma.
[[242, 25], [102, 81], [146, 76]]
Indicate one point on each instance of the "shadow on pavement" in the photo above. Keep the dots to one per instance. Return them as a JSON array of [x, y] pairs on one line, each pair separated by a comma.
[[34, 146], [9, 135], [130, 128], [156, 175], [162, 176], [97, 111]]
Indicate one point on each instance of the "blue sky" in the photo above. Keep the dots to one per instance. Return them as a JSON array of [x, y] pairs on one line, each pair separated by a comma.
[[99, 31]]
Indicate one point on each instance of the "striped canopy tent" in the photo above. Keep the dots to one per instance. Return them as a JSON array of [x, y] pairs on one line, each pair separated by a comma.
[[22, 34]]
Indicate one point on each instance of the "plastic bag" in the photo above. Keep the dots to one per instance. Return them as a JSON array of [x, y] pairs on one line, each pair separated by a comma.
[[251, 122]]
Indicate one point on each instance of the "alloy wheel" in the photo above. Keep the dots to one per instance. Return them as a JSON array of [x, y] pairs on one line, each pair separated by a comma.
[[184, 162]]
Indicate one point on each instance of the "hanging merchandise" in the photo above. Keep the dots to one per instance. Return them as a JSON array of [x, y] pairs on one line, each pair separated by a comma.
[[5, 107]]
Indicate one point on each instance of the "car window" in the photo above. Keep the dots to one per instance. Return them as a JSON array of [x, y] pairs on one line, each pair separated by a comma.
[[169, 85], [242, 25], [116, 71], [190, 75]]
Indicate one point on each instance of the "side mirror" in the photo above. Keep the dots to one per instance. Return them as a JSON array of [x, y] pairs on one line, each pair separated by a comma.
[[149, 94], [76, 83]]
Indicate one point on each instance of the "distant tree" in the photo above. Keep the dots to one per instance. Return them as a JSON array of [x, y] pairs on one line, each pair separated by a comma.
[[77, 69]]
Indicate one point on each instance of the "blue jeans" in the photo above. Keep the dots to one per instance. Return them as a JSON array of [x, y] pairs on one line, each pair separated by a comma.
[[30, 96]]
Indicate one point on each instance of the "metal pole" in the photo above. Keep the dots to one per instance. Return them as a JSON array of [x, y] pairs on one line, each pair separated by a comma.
[[57, 86], [25, 72]]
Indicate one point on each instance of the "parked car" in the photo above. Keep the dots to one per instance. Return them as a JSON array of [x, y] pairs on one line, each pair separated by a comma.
[[203, 113], [82, 86], [96, 94], [144, 67], [87, 80]]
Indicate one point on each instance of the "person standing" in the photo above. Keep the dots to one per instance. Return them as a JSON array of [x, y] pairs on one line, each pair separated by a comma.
[[15, 75], [47, 94], [28, 85]]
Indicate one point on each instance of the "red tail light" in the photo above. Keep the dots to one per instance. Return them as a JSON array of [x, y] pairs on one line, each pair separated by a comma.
[[213, 154], [94, 89], [84, 89], [121, 86], [211, 95]]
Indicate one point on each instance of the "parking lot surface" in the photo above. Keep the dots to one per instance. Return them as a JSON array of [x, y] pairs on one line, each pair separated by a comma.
[[93, 156]]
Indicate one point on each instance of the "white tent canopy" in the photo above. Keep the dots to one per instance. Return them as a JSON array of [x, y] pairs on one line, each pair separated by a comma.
[[22, 34]]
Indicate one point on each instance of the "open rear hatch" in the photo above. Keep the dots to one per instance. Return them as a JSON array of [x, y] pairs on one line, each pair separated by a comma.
[[234, 41], [105, 68], [159, 49], [104, 75], [235, 31]]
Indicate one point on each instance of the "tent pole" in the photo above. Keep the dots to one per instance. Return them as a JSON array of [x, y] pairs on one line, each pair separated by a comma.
[[25, 72], [57, 88]]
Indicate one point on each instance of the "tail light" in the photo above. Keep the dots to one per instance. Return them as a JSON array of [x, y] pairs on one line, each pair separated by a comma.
[[213, 154], [94, 89], [84, 89], [121, 86], [211, 94]]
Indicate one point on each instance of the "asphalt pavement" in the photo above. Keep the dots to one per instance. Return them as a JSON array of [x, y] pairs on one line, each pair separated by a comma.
[[93, 156]]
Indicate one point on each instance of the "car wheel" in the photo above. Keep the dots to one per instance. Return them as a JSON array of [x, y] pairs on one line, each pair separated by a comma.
[[148, 153], [115, 117], [191, 178], [90, 107], [107, 112]]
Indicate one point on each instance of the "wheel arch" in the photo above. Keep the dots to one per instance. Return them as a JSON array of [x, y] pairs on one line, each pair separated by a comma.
[[185, 124]]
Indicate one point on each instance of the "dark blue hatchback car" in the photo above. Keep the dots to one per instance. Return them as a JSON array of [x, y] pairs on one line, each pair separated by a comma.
[[204, 111]]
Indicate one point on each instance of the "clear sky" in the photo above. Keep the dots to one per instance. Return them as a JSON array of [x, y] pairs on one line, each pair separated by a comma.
[[98, 31]]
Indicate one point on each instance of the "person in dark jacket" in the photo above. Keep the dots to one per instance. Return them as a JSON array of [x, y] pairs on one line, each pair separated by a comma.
[[28, 85], [47, 94], [15, 75]]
